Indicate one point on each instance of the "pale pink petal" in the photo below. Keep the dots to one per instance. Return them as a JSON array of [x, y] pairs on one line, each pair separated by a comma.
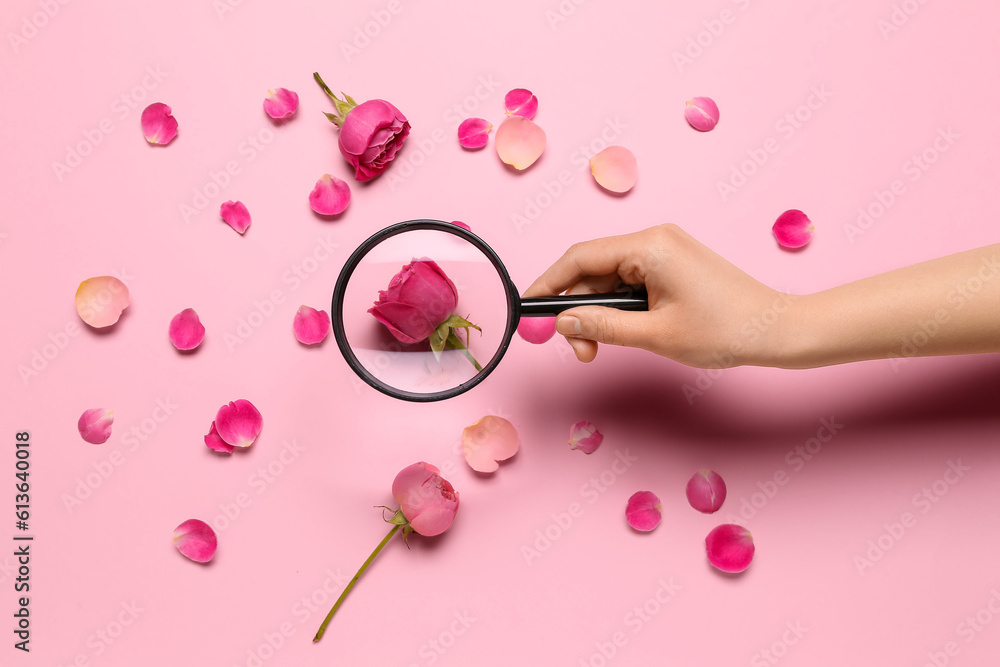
[[311, 326], [101, 300], [95, 425], [462, 225], [239, 423], [702, 113], [474, 132], [236, 215], [536, 330], [330, 196], [186, 330], [281, 103], [519, 142], [585, 437], [521, 102], [730, 547], [489, 440], [706, 491], [643, 511], [158, 126], [196, 540], [615, 169], [793, 229], [217, 444]]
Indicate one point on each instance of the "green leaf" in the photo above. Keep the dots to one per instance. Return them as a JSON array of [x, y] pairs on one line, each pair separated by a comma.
[[438, 339], [459, 322]]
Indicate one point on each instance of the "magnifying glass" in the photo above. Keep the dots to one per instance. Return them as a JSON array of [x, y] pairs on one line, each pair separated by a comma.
[[424, 310]]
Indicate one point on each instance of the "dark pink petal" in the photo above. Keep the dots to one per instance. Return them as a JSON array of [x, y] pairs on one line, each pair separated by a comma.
[[519, 142], [793, 229], [462, 225], [520, 102], [195, 539], [706, 491], [489, 440], [95, 425], [217, 444], [239, 423], [330, 196], [730, 547], [186, 330], [474, 132], [428, 501], [702, 113], [311, 326], [158, 126], [281, 103], [536, 330], [236, 215], [101, 300], [643, 511], [615, 169], [585, 437]]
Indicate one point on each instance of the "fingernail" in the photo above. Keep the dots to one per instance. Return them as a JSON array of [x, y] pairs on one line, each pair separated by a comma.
[[568, 326]]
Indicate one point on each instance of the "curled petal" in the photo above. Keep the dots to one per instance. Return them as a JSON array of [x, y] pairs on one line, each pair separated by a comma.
[[236, 215], [643, 511], [281, 103], [702, 113], [536, 330], [730, 547], [520, 102], [95, 425], [519, 142], [706, 491], [101, 300], [615, 169], [793, 229], [330, 196], [311, 326], [489, 440], [158, 126], [239, 423], [196, 540], [585, 437], [474, 132], [186, 330], [459, 223], [217, 444]]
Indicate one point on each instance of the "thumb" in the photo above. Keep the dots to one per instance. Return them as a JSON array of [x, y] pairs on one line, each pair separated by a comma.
[[603, 325]]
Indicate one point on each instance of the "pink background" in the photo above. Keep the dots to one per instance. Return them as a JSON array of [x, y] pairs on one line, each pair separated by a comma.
[[108, 588]]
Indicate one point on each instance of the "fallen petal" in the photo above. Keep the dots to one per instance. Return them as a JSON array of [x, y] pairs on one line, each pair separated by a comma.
[[489, 440], [521, 102], [236, 215], [702, 113], [519, 142], [615, 169], [196, 540], [536, 330], [217, 444], [281, 103], [239, 423], [101, 300], [793, 229], [585, 437], [706, 491], [186, 330], [474, 132], [95, 425], [462, 225], [730, 547], [643, 511], [330, 196], [158, 126], [311, 326]]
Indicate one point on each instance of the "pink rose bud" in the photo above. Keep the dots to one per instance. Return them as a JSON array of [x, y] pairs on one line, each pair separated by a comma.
[[702, 113], [706, 491], [793, 229], [730, 547], [428, 501], [95, 425], [419, 298]]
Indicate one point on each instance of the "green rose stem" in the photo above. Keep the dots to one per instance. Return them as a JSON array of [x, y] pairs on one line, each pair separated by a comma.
[[455, 343], [445, 338]]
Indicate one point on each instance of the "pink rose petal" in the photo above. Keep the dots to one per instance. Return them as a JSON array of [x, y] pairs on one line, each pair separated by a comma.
[[330, 196], [730, 547], [615, 169], [217, 444], [536, 330], [462, 225], [239, 423], [643, 511], [95, 425], [311, 326], [489, 440], [474, 132], [585, 437], [101, 300], [793, 229], [196, 540], [706, 491], [281, 103], [158, 126], [520, 102], [236, 215], [519, 142], [186, 330], [702, 113]]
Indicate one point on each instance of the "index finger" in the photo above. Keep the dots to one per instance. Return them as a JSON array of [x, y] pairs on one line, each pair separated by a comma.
[[600, 257]]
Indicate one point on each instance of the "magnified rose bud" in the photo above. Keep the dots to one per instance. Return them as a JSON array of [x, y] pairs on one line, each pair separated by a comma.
[[706, 491], [585, 437], [196, 540], [239, 423], [730, 547], [793, 229], [101, 300], [536, 330], [615, 169], [95, 425], [643, 511], [330, 196], [489, 440], [186, 330], [521, 102], [281, 103], [236, 215], [158, 126], [702, 113], [519, 142], [311, 326], [474, 132]]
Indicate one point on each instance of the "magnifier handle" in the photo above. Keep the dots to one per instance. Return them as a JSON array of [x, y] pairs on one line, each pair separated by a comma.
[[547, 306]]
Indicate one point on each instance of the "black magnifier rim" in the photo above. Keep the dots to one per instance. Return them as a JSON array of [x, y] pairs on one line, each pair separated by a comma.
[[513, 308]]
